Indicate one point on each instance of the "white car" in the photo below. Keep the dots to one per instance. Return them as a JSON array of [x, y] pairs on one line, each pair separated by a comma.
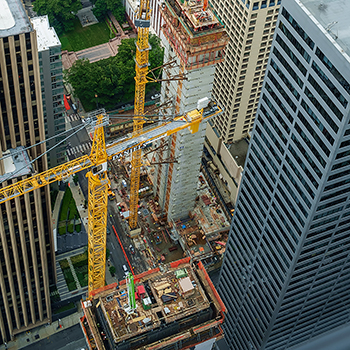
[[154, 97]]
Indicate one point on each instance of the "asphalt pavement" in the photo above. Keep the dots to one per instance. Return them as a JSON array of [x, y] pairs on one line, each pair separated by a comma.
[[68, 339], [117, 256]]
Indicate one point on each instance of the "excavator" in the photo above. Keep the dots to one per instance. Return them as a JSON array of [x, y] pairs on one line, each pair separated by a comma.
[[98, 182]]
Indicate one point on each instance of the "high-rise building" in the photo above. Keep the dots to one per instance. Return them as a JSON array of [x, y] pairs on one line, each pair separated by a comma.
[[195, 40], [26, 244], [238, 80], [285, 277], [51, 77]]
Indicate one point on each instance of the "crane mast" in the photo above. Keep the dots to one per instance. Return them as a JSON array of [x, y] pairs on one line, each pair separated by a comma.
[[97, 210], [142, 52]]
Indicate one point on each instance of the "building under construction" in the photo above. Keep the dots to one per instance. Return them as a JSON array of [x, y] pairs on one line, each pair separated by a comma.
[[195, 38], [173, 308]]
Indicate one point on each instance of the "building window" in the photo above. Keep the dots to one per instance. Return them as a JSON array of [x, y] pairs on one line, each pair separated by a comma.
[[298, 29], [325, 97], [328, 64], [291, 55], [329, 84], [294, 41]]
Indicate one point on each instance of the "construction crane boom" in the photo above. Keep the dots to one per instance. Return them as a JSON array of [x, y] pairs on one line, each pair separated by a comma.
[[98, 179]]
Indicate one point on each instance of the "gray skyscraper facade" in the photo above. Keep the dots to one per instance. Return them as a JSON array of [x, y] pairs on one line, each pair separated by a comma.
[[286, 273], [51, 77]]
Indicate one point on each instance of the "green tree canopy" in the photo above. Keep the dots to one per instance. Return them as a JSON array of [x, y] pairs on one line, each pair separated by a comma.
[[60, 12], [102, 7], [111, 79]]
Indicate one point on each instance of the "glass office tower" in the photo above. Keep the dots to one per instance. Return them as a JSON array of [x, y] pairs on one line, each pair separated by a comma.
[[286, 274]]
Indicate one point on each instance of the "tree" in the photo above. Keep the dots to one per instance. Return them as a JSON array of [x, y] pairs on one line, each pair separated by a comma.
[[102, 7], [112, 79], [60, 12], [75, 179], [112, 270]]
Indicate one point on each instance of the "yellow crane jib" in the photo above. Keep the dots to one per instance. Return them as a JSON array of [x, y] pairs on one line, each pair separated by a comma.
[[96, 162]]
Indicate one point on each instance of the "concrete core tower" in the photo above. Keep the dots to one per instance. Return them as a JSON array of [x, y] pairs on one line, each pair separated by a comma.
[[196, 39]]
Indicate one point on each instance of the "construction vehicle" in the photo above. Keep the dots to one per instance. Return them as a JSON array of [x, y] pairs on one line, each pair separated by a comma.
[[96, 163], [111, 194]]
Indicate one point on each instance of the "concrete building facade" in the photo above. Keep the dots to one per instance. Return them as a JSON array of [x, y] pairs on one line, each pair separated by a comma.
[[285, 276], [238, 80], [51, 77], [196, 45], [26, 244]]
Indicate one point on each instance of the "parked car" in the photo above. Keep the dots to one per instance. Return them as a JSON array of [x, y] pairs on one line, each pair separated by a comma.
[[156, 96]]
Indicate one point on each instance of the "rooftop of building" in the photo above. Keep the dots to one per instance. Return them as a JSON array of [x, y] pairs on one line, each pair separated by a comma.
[[13, 18], [45, 34], [239, 150], [333, 16], [173, 293], [16, 163], [197, 17]]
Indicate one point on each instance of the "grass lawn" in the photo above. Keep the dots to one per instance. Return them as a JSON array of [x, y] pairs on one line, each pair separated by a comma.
[[82, 274], [81, 38], [68, 276], [68, 203], [62, 228], [80, 263]]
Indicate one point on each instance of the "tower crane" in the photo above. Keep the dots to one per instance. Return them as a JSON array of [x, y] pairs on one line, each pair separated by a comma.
[[96, 163], [142, 22]]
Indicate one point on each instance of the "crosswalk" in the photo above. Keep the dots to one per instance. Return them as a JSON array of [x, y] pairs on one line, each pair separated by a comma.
[[72, 117], [83, 148]]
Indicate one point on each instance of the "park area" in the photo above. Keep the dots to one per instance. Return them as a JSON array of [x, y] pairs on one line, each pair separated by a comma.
[[81, 38], [80, 266]]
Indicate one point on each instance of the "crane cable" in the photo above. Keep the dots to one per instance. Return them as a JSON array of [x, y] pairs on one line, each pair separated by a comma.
[[42, 154]]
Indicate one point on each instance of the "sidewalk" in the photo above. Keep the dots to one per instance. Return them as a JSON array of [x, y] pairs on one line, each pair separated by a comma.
[[79, 202], [56, 209], [45, 331]]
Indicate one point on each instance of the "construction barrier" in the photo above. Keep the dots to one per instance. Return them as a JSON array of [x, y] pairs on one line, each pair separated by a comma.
[[213, 289], [180, 262]]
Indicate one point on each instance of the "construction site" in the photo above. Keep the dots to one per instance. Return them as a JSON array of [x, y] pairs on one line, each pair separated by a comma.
[[202, 235], [171, 307], [180, 213]]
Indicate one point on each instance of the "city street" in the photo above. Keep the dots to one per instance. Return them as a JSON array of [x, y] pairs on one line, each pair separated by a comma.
[[69, 339], [117, 257]]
